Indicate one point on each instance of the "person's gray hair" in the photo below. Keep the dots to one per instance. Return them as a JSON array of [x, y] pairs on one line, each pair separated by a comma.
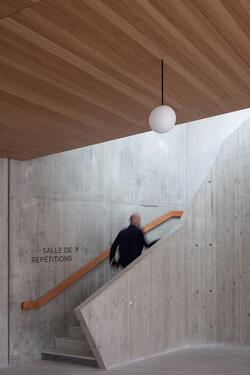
[[131, 219]]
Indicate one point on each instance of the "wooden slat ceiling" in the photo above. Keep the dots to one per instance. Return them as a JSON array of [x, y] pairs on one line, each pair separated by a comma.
[[79, 72]]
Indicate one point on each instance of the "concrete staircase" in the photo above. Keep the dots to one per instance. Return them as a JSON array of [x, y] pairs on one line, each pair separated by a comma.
[[71, 349]]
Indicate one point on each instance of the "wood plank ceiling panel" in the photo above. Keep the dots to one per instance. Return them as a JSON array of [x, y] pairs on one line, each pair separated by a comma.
[[75, 73], [9, 7]]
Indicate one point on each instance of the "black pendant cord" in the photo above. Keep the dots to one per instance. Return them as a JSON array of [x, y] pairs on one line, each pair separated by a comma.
[[162, 87]]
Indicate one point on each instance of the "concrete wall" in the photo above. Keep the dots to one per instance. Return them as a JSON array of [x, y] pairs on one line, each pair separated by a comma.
[[192, 287], [78, 200], [3, 262]]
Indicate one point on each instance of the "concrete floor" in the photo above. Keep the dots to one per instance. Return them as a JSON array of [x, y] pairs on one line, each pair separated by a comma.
[[209, 360]]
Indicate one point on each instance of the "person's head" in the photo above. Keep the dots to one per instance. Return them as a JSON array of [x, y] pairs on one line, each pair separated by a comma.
[[135, 220]]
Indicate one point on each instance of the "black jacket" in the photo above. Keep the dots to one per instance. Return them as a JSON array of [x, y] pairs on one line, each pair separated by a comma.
[[131, 242]]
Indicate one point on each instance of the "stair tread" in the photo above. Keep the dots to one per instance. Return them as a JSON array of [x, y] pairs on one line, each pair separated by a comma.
[[55, 351], [75, 331]]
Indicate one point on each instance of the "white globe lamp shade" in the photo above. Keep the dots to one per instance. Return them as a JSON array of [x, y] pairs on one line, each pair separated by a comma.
[[162, 119]]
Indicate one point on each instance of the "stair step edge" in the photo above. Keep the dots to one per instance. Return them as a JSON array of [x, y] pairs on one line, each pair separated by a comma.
[[72, 339], [69, 358], [53, 351]]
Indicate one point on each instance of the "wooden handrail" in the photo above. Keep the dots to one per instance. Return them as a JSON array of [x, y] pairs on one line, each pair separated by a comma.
[[77, 275]]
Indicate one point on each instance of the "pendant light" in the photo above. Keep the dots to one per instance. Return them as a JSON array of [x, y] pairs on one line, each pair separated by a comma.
[[162, 118]]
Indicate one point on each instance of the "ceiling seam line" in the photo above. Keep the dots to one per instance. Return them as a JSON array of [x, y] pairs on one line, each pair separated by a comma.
[[19, 10]]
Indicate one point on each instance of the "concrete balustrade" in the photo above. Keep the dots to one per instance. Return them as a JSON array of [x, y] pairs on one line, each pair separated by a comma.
[[193, 286]]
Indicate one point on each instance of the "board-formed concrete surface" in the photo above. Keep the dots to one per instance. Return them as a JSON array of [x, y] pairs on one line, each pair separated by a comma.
[[4, 279], [215, 360], [192, 287], [61, 200], [81, 199]]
